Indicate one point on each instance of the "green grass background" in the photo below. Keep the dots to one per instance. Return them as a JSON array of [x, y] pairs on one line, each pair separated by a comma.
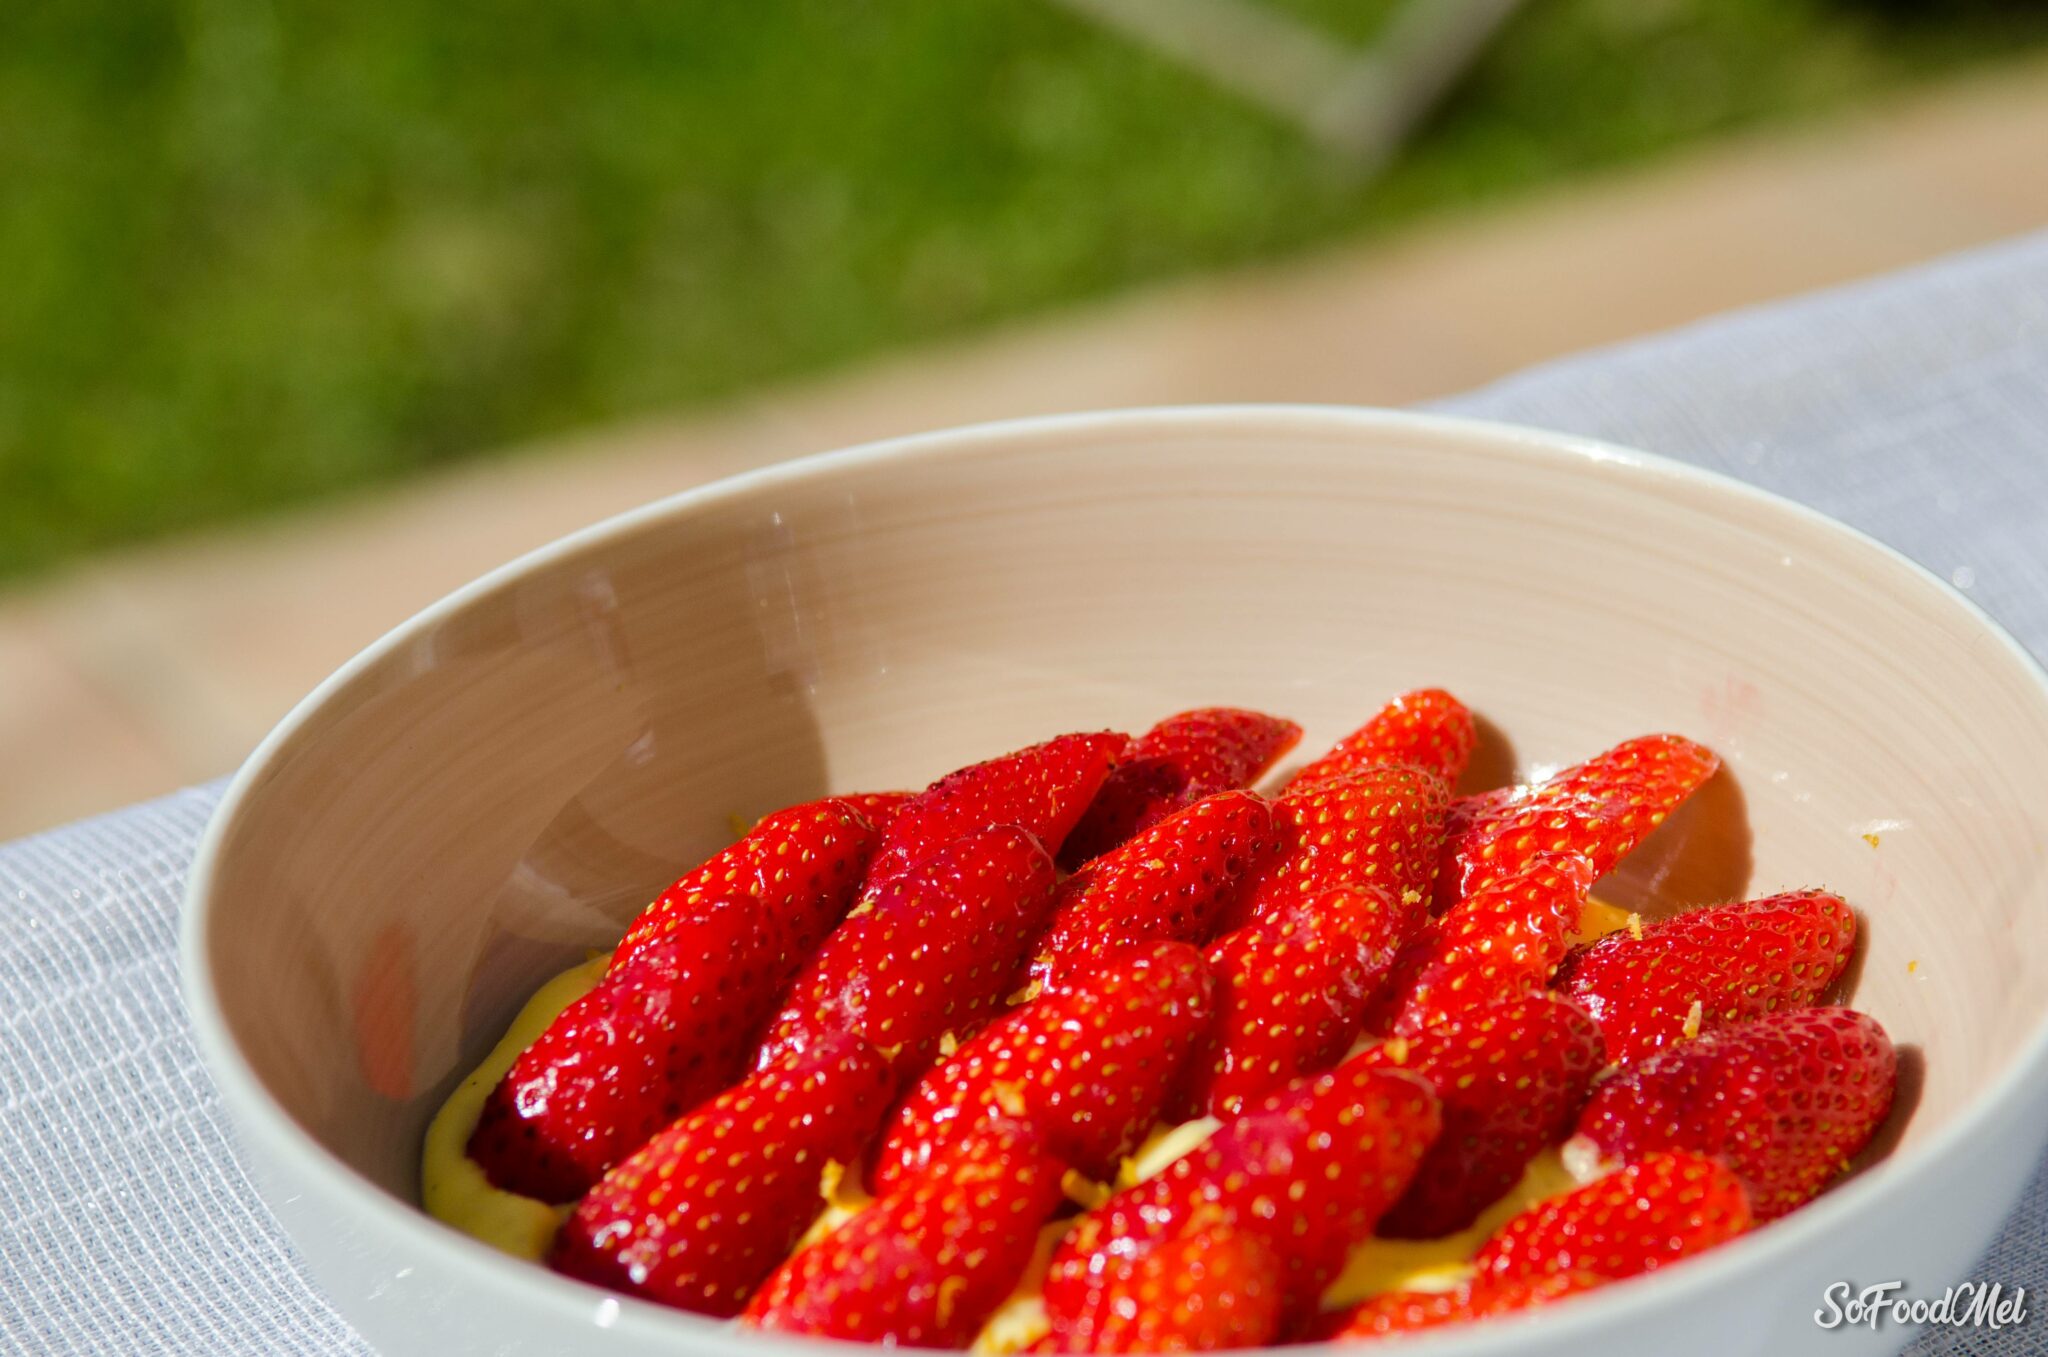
[[256, 252]]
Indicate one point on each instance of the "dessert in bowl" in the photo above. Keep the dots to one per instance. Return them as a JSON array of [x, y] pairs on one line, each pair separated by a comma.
[[505, 782]]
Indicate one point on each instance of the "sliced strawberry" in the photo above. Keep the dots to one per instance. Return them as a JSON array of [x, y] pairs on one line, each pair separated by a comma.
[[1176, 763], [1650, 1214], [1599, 809], [1173, 881], [1215, 1287], [1295, 988], [657, 1037], [700, 1214], [1427, 728], [1043, 789], [1380, 826], [1406, 1311], [1505, 938], [1735, 962], [1308, 1169], [1086, 1065], [1787, 1100], [1511, 1076], [936, 949], [801, 866], [926, 1264]]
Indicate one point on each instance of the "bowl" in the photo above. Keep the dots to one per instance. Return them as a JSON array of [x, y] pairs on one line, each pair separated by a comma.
[[500, 783]]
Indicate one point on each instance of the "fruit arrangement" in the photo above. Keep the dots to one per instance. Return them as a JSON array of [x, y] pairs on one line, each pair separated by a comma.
[[1093, 1048]]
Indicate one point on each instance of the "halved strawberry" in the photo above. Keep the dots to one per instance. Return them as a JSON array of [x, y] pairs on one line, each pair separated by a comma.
[[658, 1036], [936, 949], [1511, 1076], [1379, 826], [1085, 1065], [1295, 987], [1182, 759], [1734, 962], [1428, 728], [1215, 1287], [1171, 881], [926, 1264], [1395, 1312], [1650, 1214], [1505, 938], [801, 865], [700, 1214], [1787, 1100], [1599, 809], [1044, 789], [1308, 1169], [881, 808]]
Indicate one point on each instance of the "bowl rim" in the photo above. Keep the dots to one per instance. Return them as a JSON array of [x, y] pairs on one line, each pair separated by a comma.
[[258, 1116]]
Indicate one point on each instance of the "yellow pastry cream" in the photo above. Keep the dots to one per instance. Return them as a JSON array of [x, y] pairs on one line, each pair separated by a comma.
[[454, 1189]]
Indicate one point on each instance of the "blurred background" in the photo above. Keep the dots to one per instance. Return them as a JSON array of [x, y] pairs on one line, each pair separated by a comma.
[[311, 312]]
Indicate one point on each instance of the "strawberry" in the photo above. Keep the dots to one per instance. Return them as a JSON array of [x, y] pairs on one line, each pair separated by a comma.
[[1507, 937], [655, 1038], [1043, 789], [1085, 1065], [1308, 1169], [1214, 1287], [1511, 1076], [800, 865], [1170, 881], [1427, 728], [936, 949], [700, 1214], [1736, 962], [880, 808], [926, 1264], [1786, 1100], [1650, 1214], [1395, 1312], [1295, 988], [1381, 826], [1599, 809], [1176, 763]]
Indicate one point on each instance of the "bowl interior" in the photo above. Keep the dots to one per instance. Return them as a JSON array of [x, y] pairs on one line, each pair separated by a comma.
[[503, 782]]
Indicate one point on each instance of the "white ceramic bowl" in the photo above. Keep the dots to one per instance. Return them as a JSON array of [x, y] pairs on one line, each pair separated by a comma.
[[502, 781]]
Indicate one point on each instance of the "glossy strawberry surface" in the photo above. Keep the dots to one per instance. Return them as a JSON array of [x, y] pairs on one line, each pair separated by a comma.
[[1379, 826], [1086, 1065], [1735, 962], [1218, 1286], [1427, 728], [1511, 1076], [702, 1213], [1295, 985], [1786, 1100], [1599, 810], [925, 1264], [1184, 758], [1308, 1169], [937, 949], [1656, 1211], [655, 1038], [1043, 790], [800, 866], [1396, 1312], [1173, 881]]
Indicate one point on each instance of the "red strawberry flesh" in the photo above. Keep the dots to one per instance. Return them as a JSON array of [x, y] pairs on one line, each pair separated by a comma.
[[1043, 790], [1185, 757], [1427, 728], [1786, 1100], [937, 949], [1213, 1288], [704, 1211], [924, 1265], [1737, 962], [1086, 1066], [1380, 826]]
